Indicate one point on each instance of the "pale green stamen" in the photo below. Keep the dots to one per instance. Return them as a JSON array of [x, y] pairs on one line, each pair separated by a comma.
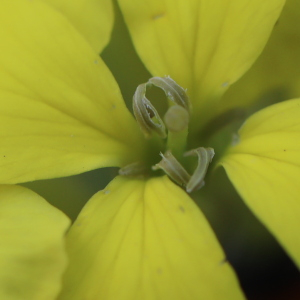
[[173, 91], [177, 172], [173, 168], [205, 156], [146, 114]]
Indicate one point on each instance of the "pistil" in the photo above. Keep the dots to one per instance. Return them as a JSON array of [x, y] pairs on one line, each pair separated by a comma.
[[177, 120]]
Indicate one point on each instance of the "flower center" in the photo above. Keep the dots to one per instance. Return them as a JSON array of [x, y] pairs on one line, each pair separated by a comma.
[[169, 134]]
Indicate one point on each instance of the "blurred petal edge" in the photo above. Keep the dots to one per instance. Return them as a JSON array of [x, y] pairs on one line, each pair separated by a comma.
[[32, 254], [264, 167]]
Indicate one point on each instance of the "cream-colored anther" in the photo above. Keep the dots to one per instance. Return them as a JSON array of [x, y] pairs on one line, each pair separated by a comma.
[[146, 114], [205, 156], [177, 117], [173, 91], [172, 167]]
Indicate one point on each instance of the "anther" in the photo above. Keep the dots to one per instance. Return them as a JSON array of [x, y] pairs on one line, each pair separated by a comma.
[[146, 114], [172, 167], [173, 91], [205, 156]]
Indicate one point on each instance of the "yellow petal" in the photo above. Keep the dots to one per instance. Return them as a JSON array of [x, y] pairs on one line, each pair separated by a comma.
[[32, 251], [61, 111], [92, 18], [265, 169], [277, 69], [143, 240], [204, 45]]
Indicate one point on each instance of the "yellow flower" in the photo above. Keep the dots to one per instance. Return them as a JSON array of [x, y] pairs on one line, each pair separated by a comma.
[[62, 113]]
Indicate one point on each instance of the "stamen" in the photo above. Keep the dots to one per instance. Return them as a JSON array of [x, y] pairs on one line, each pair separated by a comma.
[[205, 156], [173, 91], [177, 116], [146, 114], [172, 167]]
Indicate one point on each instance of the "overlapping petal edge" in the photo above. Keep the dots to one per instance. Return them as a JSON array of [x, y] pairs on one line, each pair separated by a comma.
[[265, 169], [61, 111]]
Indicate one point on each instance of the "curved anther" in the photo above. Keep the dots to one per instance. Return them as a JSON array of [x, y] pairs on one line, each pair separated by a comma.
[[205, 156], [172, 167], [173, 91], [146, 114]]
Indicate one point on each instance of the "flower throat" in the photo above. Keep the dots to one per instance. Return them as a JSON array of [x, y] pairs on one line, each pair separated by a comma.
[[169, 134]]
